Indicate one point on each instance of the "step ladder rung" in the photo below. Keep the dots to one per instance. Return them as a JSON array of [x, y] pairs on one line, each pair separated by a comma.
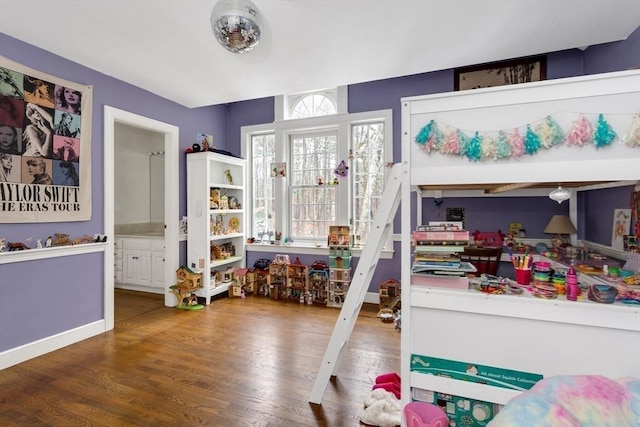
[[367, 264]]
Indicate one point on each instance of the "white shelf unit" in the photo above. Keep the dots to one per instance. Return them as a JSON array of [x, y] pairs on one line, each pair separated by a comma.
[[521, 333], [207, 171]]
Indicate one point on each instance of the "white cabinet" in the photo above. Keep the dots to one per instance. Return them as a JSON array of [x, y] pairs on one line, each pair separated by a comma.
[[139, 264], [137, 267], [157, 264], [216, 202]]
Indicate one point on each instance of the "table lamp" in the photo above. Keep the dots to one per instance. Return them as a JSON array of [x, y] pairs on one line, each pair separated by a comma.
[[560, 225]]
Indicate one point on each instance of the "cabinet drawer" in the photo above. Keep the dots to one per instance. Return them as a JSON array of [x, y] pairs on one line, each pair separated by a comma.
[[137, 244], [157, 245], [117, 253], [118, 264], [117, 277], [117, 243]]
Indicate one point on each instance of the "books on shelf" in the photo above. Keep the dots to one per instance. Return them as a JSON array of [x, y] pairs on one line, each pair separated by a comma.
[[436, 257], [438, 248], [462, 268], [445, 237]]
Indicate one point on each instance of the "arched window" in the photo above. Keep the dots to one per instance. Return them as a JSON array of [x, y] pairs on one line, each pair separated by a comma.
[[312, 105]]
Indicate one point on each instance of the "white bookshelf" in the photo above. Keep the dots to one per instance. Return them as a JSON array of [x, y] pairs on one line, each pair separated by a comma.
[[206, 171]]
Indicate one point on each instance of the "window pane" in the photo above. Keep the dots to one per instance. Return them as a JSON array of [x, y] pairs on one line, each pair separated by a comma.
[[367, 175], [312, 106], [262, 155], [312, 203]]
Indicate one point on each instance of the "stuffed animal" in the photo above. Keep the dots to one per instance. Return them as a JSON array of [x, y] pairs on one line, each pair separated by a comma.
[[382, 409]]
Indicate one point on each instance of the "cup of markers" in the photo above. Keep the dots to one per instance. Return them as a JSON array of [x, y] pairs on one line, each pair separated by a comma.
[[522, 265]]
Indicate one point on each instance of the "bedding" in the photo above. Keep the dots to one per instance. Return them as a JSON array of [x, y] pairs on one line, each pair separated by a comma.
[[574, 401]]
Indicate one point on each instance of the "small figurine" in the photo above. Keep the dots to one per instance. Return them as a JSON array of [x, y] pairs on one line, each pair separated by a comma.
[[2, 244], [320, 180], [342, 169], [17, 246], [227, 174], [39, 244], [48, 242], [62, 239]]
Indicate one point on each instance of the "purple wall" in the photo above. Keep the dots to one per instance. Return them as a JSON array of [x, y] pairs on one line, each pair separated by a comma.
[[45, 285], [600, 205], [45, 297], [616, 56]]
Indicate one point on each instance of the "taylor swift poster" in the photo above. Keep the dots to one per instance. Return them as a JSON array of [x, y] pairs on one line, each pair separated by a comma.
[[45, 146]]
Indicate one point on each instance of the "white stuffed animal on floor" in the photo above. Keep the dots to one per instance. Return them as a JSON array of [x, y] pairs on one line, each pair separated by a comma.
[[382, 409]]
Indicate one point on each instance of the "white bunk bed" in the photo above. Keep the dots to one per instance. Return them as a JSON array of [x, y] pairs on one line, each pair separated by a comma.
[[547, 337]]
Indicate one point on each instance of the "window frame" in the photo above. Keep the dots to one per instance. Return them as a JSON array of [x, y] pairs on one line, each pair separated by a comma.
[[293, 100], [282, 130]]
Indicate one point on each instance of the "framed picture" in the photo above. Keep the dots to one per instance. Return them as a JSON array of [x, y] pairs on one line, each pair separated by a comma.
[[523, 70], [455, 214], [621, 226], [278, 170]]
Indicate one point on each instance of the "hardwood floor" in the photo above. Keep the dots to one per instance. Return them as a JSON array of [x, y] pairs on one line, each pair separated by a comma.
[[237, 362]]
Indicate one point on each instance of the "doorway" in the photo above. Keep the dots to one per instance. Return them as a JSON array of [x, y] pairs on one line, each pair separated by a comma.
[[113, 116]]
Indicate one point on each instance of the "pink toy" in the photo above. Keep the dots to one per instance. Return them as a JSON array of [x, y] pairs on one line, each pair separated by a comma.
[[390, 387], [389, 382], [422, 414], [390, 377]]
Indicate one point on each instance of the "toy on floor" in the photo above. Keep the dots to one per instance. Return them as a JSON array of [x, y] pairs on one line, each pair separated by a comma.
[[188, 282], [381, 409], [389, 382]]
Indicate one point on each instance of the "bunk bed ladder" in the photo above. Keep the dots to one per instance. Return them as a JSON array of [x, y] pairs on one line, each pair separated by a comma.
[[359, 283]]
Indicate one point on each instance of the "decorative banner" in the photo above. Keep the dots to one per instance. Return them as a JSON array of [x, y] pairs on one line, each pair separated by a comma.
[[528, 139], [45, 147]]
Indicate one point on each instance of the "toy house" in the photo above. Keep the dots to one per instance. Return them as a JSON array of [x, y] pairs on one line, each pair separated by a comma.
[[389, 294], [297, 280], [339, 264], [246, 279], [187, 282], [277, 278], [319, 282]]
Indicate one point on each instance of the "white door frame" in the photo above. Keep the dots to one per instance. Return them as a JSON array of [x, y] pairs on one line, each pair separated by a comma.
[[171, 200]]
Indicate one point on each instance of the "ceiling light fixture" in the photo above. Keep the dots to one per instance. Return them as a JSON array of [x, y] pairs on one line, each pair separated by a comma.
[[560, 194], [236, 24]]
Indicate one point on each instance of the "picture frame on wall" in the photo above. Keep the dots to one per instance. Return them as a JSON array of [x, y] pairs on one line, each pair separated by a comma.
[[620, 228], [522, 70]]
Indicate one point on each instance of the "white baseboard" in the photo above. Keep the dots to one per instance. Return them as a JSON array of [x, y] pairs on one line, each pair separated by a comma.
[[372, 298], [46, 345]]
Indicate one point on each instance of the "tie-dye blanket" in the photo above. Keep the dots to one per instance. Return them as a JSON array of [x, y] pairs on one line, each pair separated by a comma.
[[574, 401]]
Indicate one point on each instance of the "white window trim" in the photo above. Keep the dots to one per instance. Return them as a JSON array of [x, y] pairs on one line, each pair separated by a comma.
[[281, 130], [282, 103]]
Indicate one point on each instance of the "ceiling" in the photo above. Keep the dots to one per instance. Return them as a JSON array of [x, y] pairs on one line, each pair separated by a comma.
[[167, 47]]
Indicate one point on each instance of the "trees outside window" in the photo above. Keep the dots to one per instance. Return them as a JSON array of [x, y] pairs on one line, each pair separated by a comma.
[[309, 197]]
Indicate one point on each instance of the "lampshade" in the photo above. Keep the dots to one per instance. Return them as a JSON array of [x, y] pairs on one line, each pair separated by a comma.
[[560, 194], [560, 224], [236, 25]]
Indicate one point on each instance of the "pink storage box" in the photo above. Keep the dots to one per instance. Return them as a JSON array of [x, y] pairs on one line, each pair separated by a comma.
[[421, 414], [440, 282]]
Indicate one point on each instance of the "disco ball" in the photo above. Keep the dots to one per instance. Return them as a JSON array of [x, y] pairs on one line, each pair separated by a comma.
[[236, 25]]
